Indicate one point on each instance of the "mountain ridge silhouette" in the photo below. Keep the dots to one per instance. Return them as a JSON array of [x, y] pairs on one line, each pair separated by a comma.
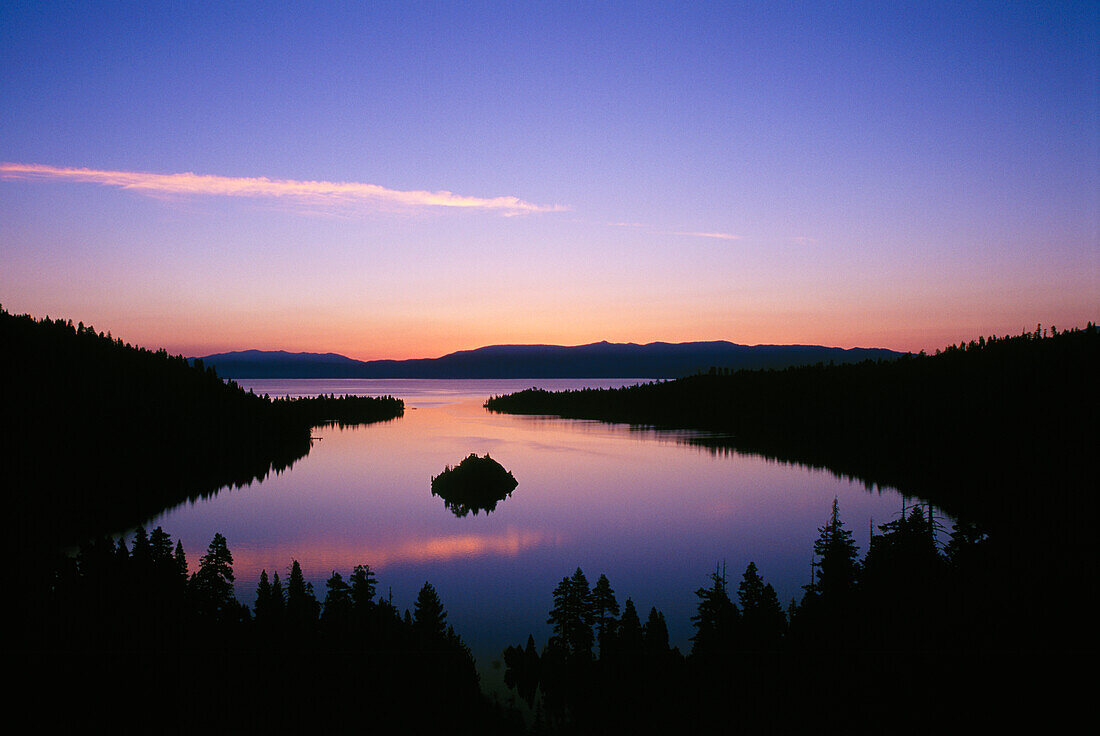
[[593, 360]]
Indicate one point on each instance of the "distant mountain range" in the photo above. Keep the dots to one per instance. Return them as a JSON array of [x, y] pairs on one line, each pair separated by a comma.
[[598, 360]]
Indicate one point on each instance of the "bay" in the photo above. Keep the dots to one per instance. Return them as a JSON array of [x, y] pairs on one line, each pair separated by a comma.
[[651, 509]]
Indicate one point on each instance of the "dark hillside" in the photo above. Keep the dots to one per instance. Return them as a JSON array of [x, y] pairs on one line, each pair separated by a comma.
[[100, 435]]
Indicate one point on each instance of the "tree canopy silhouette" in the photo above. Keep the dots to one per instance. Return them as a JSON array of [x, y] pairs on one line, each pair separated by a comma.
[[475, 484]]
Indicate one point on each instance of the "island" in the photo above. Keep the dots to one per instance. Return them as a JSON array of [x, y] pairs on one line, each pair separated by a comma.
[[475, 484]]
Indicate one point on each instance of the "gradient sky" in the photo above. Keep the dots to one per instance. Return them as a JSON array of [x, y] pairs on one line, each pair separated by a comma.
[[392, 180]]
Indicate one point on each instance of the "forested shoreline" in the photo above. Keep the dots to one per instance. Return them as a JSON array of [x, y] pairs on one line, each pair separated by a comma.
[[975, 427], [101, 435]]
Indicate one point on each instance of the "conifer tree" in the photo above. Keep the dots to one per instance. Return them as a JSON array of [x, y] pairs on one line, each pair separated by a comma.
[[838, 560], [363, 587], [715, 621], [429, 618], [264, 609], [630, 629], [278, 596], [337, 611], [655, 634], [302, 607], [906, 549], [213, 583], [761, 614], [140, 550], [572, 616], [180, 560], [605, 609], [160, 547], [751, 590]]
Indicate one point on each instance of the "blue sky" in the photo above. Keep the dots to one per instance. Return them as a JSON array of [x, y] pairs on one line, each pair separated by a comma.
[[893, 174]]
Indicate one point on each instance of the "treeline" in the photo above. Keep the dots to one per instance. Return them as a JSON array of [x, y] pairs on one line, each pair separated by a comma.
[[100, 435], [133, 634], [905, 639], [895, 642], [978, 427], [341, 411]]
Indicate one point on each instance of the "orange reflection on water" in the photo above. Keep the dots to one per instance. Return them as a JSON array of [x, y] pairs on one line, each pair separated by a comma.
[[509, 544], [329, 554]]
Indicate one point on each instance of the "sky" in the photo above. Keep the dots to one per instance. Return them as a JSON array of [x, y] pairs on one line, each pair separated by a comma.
[[398, 180]]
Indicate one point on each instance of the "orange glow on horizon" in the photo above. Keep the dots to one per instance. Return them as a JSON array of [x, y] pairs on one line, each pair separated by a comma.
[[197, 329], [432, 344]]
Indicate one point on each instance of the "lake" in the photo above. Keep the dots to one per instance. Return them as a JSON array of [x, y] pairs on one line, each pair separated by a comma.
[[649, 509]]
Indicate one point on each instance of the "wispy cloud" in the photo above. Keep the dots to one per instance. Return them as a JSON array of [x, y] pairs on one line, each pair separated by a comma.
[[313, 194], [716, 236], [687, 233]]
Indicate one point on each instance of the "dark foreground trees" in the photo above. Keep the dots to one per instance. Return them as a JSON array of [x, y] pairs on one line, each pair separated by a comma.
[[890, 643], [126, 634], [126, 631], [599, 672]]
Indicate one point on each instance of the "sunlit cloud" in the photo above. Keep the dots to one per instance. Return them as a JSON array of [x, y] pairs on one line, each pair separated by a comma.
[[312, 194]]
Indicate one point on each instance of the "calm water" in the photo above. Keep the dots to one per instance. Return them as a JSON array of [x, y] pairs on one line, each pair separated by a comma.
[[653, 512]]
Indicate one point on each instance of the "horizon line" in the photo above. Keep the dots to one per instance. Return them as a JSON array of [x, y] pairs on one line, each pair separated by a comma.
[[542, 345]]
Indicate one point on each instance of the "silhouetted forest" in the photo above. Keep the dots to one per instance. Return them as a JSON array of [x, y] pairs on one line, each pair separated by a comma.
[[101, 435], [475, 484], [894, 642], [1000, 430], [340, 411], [124, 634]]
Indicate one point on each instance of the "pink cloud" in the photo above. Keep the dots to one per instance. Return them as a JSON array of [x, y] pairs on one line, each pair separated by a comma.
[[309, 193]]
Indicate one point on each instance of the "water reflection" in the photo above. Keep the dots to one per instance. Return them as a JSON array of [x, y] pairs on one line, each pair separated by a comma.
[[654, 510], [343, 554]]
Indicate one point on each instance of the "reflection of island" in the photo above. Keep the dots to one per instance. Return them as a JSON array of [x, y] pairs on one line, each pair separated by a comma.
[[475, 484]]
